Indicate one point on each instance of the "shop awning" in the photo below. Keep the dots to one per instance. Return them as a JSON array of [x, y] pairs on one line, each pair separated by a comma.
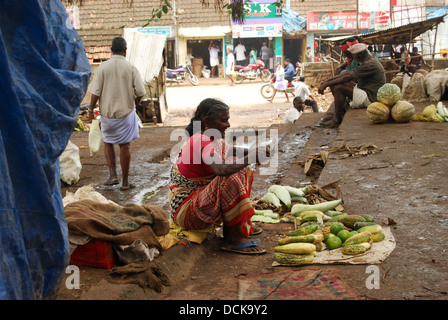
[[398, 35]]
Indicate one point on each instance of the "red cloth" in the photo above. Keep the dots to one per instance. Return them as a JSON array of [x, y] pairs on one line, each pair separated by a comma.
[[191, 161], [95, 253]]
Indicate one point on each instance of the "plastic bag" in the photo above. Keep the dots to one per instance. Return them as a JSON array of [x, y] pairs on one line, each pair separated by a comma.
[[95, 138], [70, 164]]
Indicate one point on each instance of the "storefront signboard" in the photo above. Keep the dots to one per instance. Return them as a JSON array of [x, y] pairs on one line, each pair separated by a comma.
[[256, 31], [157, 30], [263, 19]]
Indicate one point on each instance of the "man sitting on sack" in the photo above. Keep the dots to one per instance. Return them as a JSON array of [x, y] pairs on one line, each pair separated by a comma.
[[359, 85]]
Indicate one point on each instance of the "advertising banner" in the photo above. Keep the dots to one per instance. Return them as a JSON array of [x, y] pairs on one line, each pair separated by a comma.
[[337, 20], [346, 20]]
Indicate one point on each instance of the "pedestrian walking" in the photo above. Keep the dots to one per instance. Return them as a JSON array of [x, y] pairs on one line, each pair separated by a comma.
[[230, 65], [118, 87], [280, 83]]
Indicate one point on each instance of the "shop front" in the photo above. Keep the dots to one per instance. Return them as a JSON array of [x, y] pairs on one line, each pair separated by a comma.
[[194, 46], [262, 26]]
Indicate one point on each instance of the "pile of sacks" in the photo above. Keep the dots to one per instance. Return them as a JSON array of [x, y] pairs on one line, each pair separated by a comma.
[[423, 85]]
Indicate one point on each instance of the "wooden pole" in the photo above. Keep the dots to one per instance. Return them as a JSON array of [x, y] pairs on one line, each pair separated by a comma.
[[434, 47], [357, 16], [391, 13]]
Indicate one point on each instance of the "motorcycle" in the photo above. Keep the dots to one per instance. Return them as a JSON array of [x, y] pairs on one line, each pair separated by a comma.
[[179, 75], [251, 72], [267, 90]]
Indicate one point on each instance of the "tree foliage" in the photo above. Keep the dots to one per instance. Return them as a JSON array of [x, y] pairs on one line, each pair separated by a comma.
[[235, 8]]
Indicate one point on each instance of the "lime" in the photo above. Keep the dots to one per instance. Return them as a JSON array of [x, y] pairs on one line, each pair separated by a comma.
[[336, 227], [344, 235], [333, 242], [352, 233]]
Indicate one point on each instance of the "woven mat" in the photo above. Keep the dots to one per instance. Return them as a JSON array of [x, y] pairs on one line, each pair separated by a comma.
[[306, 283]]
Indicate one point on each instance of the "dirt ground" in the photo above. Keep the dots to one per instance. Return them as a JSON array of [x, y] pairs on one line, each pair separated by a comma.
[[405, 183]]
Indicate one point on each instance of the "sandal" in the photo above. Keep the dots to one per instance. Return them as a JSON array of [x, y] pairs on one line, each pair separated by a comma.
[[247, 245], [131, 186], [111, 182]]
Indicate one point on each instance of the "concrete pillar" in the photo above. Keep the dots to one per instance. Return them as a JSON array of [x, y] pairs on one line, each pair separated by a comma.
[[278, 47], [310, 42]]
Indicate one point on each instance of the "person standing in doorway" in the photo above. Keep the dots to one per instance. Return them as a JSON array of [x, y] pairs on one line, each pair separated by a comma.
[[214, 60], [253, 55], [118, 87], [308, 56], [230, 65], [265, 53], [240, 52]]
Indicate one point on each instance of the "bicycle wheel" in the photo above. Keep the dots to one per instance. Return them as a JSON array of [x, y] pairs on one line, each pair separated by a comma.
[[267, 90]]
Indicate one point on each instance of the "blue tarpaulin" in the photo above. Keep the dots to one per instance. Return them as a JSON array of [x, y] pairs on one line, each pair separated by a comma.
[[292, 21], [44, 76]]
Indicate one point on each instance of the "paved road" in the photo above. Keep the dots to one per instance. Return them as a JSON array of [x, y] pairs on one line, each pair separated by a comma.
[[185, 95], [248, 107]]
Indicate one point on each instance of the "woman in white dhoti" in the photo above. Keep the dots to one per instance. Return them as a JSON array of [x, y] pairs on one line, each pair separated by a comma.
[[280, 83]]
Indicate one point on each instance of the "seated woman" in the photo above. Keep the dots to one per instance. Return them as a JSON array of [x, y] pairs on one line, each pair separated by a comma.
[[210, 186]]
